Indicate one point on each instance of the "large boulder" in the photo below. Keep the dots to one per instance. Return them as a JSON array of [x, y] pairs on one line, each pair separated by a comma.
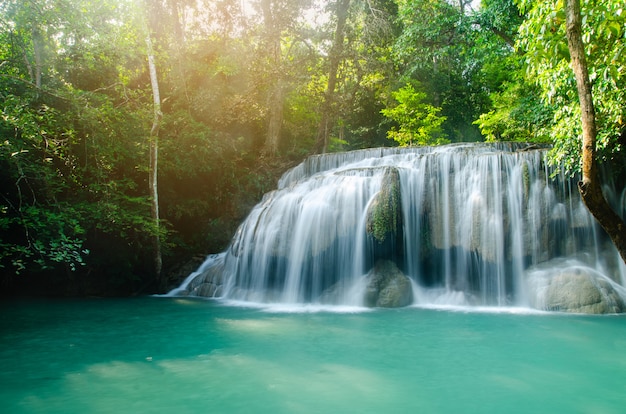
[[387, 286], [576, 289], [384, 214]]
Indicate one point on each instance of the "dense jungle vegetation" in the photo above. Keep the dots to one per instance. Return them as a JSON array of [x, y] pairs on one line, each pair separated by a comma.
[[136, 135]]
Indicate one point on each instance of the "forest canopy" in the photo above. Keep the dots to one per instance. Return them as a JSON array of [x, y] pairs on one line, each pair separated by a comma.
[[247, 89]]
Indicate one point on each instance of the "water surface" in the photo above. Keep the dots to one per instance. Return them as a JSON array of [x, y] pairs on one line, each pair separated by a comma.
[[159, 355]]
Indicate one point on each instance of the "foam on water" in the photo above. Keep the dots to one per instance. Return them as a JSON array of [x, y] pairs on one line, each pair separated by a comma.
[[295, 307]]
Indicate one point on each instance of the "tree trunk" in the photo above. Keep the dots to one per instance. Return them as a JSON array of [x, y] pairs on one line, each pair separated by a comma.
[[154, 158], [276, 112], [38, 51], [276, 101], [179, 47], [589, 187], [334, 58]]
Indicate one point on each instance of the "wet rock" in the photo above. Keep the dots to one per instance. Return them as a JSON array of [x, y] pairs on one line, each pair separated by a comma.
[[209, 290], [178, 273], [209, 280], [581, 292], [384, 215], [387, 286], [577, 289]]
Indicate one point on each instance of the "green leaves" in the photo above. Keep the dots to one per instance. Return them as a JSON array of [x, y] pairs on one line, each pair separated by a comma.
[[419, 122], [66, 131], [75, 106], [445, 46], [39, 237], [542, 38]]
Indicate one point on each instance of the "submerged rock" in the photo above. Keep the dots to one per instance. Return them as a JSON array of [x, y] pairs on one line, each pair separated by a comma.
[[387, 286], [331, 295], [576, 289]]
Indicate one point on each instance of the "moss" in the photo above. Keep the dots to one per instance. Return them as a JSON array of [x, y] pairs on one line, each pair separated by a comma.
[[384, 214], [526, 178]]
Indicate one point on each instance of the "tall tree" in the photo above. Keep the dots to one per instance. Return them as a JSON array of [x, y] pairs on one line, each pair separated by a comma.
[[68, 153], [153, 172], [368, 72], [543, 40], [517, 112], [437, 48], [334, 60], [274, 23], [590, 187]]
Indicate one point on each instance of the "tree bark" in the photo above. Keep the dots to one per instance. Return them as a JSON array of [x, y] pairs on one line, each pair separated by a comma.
[[276, 112], [276, 100], [179, 46], [154, 159], [589, 186], [334, 58], [38, 51]]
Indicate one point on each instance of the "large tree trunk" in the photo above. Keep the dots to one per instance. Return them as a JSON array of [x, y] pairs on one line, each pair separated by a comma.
[[154, 158], [334, 61], [589, 187]]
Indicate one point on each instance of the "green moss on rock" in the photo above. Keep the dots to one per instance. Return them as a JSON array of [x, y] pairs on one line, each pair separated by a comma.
[[384, 215]]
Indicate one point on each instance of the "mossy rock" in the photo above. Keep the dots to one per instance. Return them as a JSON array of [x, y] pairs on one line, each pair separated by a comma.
[[384, 215]]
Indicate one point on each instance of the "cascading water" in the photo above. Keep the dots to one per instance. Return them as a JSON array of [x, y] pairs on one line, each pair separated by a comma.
[[467, 223]]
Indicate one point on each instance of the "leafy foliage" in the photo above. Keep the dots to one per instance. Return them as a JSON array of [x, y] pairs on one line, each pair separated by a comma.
[[419, 122], [518, 114], [542, 37], [76, 110], [440, 46]]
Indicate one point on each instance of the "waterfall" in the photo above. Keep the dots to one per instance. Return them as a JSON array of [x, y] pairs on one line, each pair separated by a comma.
[[472, 222]]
